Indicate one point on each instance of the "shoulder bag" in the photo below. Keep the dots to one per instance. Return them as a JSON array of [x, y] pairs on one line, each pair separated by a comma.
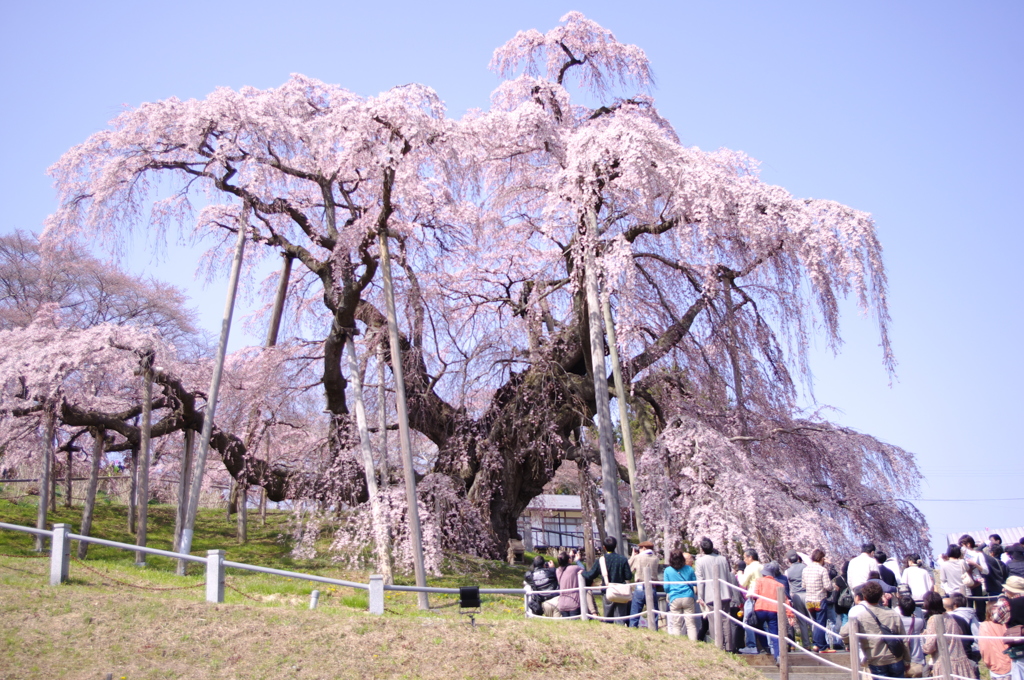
[[615, 592]]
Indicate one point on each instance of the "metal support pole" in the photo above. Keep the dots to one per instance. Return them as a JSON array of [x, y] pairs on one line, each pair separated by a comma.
[[145, 451], [652, 620], [376, 594], [314, 599], [214, 575], [415, 532], [783, 634], [584, 613], [211, 399], [627, 432], [60, 554], [609, 467]]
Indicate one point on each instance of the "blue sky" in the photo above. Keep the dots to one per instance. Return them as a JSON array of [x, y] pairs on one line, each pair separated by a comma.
[[908, 110]]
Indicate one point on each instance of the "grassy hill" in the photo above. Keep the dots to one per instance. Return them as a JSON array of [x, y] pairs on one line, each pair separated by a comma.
[[131, 622]]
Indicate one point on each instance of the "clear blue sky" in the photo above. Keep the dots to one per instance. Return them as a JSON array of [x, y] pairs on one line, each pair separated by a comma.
[[911, 111]]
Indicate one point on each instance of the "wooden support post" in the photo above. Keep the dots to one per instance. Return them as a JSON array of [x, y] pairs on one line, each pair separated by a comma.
[[943, 644], [98, 435], [211, 396], [60, 554], [603, 417], [783, 634], [404, 436], [44, 476], [584, 614], [627, 432], [215, 576], [854, 650], [652, 620], [716, 611], [145, 451]]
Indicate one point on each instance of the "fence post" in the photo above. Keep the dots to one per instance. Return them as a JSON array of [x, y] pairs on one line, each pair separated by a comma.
[[780, 596], [943, 645], [854, 650], [377, 594], [214, 575], [716, 616], [583, 597], [60, 554], [652, 621]]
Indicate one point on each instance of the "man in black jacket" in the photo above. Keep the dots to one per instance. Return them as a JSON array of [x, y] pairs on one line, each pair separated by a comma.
[[997, 572], [618, 572], [540, 580]]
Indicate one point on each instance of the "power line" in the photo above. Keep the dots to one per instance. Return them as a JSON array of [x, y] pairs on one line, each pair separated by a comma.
[[957, 500]]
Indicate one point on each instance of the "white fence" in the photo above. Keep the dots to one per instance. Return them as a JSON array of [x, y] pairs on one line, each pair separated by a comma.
[[60, 561]]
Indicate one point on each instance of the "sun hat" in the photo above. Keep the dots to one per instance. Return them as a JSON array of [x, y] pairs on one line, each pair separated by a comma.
[[1015, 585]]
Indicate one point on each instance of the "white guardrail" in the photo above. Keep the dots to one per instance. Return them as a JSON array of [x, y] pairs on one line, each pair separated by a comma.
[[60, 562]]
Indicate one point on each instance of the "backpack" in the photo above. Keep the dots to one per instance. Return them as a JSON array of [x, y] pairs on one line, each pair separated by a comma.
[[844, 598]]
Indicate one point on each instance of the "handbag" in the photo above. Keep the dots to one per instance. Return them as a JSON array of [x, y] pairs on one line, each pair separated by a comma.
[[615, 592]]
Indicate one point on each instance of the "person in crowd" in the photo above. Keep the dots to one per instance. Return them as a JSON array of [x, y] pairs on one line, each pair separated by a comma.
[[737, 608], [1009, 610], [976, 565], [618, 572], [951, 571], [681, 595], [817, 586], [993, 650], [751, 572], [993, 541], [766, 607], [797, 594], [541, 580], [997, 571], [1015, 565], [567, 574], [710, 565], [913, 624], [644, 559], [958, 661], [887, 590], [917, 578], [870, 617], [860, 566], [969, 624], [885, 573]]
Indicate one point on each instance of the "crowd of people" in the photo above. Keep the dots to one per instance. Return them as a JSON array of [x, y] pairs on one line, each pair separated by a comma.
[[975, 594]]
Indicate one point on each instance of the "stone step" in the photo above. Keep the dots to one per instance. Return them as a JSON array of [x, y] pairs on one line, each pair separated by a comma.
[[798, 659]]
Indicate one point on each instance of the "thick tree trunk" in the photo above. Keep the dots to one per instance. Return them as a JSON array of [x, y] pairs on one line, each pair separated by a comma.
[[90, 492], [145, 451], [588, 515]]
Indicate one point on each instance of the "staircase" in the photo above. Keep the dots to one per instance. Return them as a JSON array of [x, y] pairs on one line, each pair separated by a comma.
[[802, 666]]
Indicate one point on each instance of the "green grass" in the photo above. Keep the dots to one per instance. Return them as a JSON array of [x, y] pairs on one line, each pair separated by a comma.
[[132, 622]]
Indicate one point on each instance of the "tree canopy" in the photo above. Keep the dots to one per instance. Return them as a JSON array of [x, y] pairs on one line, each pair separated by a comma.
[[717, 282]]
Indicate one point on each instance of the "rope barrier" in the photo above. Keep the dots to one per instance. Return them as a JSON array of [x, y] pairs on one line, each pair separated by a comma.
[[228, 585]]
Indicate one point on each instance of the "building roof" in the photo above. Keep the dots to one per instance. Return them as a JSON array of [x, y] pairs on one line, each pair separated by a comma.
[[1011, 535], [550, 501]]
